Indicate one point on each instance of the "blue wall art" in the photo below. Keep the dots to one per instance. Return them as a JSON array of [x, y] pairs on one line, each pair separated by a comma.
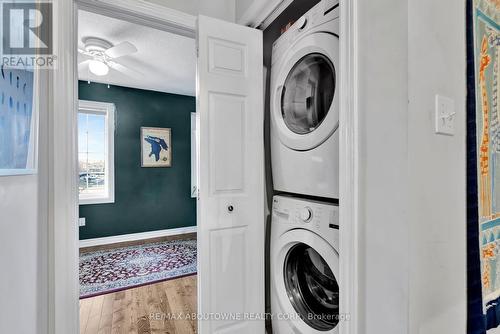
[[17, 122], [156, 147]]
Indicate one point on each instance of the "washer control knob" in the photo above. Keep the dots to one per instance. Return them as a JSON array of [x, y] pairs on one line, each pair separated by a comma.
[[302, 22], [305, 214]]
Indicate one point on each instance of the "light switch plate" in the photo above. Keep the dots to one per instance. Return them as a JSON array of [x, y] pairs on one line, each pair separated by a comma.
[[445, 116], [81, 221]]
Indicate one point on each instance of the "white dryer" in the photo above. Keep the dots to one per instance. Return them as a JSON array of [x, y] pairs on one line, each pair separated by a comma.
[[305, 104], [304, 266]]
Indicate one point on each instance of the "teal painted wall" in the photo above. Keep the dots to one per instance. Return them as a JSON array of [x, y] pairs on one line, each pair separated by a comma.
[[146, 199]]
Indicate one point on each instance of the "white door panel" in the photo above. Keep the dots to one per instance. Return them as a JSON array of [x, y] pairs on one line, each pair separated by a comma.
[[231, 177]]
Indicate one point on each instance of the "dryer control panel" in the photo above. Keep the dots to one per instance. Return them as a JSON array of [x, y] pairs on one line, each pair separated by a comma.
[[322, 17], [316, 216]]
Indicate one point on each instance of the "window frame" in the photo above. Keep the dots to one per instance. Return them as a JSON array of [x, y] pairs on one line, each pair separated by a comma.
[[194, 158], [107, 109]]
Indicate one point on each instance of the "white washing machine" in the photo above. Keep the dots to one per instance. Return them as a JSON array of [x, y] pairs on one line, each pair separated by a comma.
[[304, 266], [305, 104]]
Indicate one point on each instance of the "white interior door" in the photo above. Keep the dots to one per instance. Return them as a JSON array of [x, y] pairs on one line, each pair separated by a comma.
[[231, 178]]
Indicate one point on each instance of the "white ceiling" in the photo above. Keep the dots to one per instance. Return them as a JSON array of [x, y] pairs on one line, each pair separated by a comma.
[[164, 61]]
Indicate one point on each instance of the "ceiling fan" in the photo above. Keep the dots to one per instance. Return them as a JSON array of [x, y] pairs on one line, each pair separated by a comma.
[[101, 55]]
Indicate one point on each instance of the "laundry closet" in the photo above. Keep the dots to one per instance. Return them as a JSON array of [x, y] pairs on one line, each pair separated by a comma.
[[301, 55]]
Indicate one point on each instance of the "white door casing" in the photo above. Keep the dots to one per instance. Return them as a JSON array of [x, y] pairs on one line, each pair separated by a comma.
[[231, 178], [63, 302]]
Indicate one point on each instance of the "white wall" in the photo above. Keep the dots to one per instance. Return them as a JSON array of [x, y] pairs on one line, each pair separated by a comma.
[[23, 277], [221, 9], [437, 168], [412, 207], [383, 130], [241, 6]]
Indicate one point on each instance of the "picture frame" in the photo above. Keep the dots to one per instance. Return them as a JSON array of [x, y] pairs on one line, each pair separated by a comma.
[[156, 147], [483, 180], [19, 121]]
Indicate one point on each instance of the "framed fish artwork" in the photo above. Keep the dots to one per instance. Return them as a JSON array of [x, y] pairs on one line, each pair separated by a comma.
[[156, 147]]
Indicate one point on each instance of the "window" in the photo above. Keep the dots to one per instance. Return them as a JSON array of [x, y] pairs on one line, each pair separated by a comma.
[[96, 129]]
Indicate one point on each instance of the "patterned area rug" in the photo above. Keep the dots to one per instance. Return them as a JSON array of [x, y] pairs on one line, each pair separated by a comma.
[[123, 268]]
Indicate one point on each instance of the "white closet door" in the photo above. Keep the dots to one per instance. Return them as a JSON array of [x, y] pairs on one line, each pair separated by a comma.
[[231, 178]]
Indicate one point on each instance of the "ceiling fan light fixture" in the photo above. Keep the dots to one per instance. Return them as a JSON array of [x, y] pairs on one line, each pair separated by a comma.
[[98, 67]]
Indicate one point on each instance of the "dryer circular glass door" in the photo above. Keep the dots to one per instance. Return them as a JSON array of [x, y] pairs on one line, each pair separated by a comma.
[[305, 97], [306, 280], [307, 93]]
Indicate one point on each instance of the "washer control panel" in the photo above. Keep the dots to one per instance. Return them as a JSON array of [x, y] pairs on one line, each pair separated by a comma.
[[306, 214], [297, 212]]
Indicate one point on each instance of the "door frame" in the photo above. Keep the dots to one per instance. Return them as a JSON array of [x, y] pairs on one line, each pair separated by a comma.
[[58, 199], [60, 203], [349, 156]]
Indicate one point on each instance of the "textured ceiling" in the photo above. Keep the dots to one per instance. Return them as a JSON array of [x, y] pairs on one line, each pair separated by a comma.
[[164, 61]]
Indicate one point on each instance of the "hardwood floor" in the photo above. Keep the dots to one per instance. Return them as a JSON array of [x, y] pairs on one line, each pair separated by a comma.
[[142, 310]]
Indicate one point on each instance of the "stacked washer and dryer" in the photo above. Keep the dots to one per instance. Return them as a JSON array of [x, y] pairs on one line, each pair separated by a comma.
[[305, 166]]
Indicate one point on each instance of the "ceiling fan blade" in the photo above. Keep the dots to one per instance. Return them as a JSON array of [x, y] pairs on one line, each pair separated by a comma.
[[124, 69], [121, 50]]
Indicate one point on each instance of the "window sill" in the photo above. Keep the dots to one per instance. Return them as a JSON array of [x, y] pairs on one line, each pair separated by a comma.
[[96, 200]]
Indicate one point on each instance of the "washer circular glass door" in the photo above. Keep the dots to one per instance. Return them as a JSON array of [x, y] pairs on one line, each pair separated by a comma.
[[311, 287], [305, 271], [305, 99]]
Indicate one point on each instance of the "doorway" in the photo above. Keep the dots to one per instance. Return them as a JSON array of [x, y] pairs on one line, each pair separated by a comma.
[[136, 177], [231, 206]]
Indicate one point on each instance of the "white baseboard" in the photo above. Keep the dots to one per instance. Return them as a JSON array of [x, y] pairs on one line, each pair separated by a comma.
[[136, 236]]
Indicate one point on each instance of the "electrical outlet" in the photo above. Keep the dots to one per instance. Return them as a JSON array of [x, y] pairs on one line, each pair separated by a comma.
[[445, 116], [81, 221]]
